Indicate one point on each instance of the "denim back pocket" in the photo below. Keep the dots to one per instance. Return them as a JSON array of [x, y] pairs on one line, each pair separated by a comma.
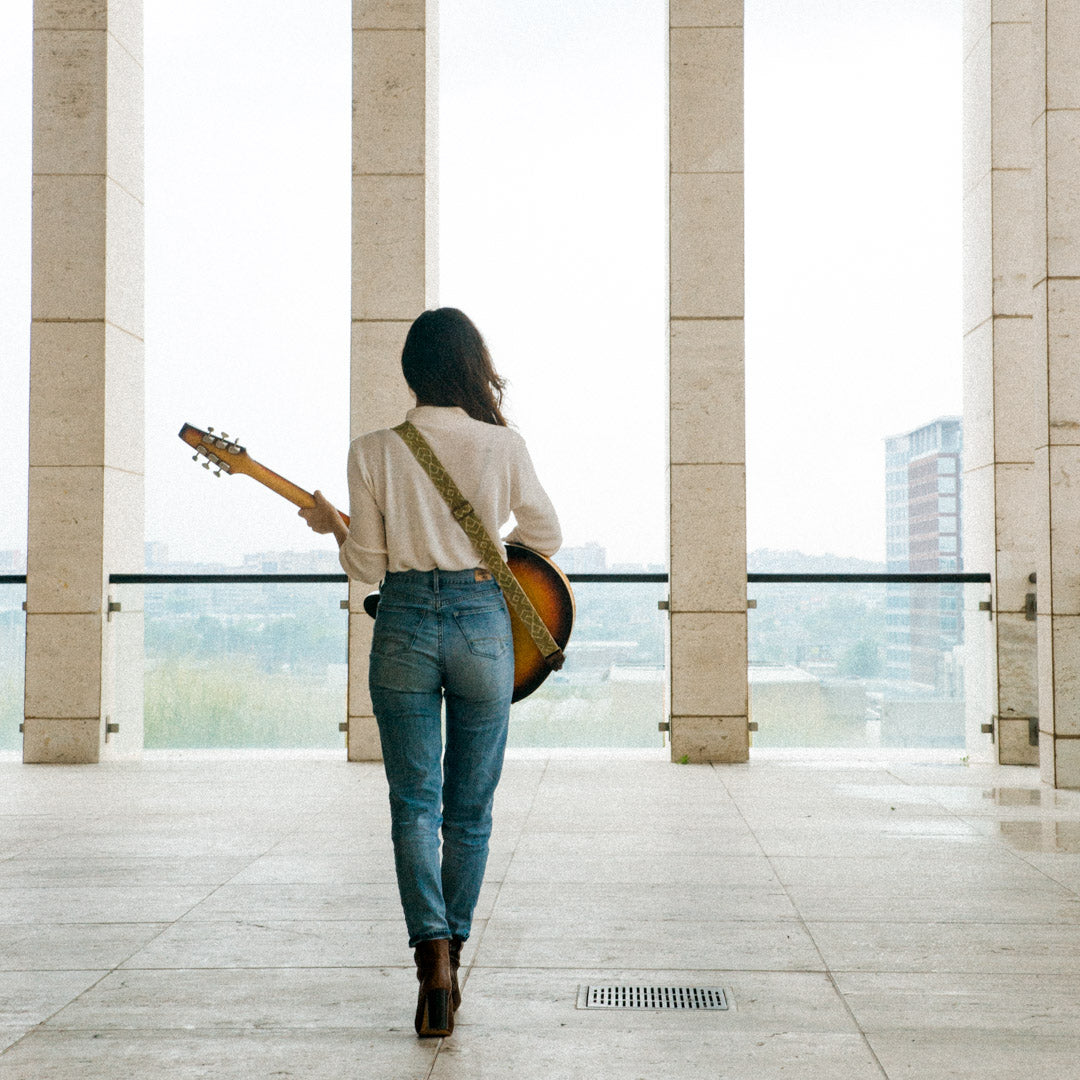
[[396, 629], [486, 629]]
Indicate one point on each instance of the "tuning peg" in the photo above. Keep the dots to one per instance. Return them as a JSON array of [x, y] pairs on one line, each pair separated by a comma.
[[224, 434], [218, 473], [194, 457], [210, 429], [206, 464]]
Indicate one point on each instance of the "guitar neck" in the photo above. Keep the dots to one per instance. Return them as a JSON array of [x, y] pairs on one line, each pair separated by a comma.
[[285, 488], [231, 457]]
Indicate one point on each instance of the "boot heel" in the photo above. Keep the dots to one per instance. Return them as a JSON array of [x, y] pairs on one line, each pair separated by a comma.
[[437, 1020], [434, 1004]]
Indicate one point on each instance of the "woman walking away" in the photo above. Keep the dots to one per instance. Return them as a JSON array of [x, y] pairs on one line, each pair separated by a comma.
[[442, 631]]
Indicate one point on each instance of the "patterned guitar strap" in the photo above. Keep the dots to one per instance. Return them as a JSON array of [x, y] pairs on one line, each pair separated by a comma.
[[467, 518]]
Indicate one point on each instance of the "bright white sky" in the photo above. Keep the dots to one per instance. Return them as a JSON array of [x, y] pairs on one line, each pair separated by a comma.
[[552, 203]]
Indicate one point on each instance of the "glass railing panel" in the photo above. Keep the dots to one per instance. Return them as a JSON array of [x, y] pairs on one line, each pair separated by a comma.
[[240, 665], [610, 691], [871, 665], [12, 662]]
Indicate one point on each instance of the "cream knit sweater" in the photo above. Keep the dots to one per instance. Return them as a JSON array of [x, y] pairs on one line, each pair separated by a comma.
[[398, 519]]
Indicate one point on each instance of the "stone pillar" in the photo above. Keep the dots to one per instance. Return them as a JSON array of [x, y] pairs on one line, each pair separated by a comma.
[[86, 371], [393, 248], [708, 657], [1056, 281], [999, 371]]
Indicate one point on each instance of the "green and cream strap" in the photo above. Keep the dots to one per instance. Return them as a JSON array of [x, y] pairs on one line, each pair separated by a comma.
[[487, 549]]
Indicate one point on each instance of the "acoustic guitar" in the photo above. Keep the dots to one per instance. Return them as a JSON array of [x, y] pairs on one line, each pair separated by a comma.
[[542, 581]]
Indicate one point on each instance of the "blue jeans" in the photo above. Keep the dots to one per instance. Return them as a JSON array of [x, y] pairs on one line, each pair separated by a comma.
[[440, 636]]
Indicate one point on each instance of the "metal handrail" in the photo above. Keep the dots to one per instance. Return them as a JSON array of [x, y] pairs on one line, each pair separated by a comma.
[[753, 578], [871, 579]]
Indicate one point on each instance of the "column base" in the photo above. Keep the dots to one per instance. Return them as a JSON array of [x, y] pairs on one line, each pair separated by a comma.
[[717, 739], [1066, 761], [61, 741], [363, 739], [1015, 746]]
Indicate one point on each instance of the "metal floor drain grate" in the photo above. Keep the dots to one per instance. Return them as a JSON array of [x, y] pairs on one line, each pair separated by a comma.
[[653, 997]]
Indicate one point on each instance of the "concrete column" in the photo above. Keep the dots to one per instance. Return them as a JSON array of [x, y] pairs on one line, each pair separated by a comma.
[[86, 374], [999, 371], [393, 248], [708, 696], [1057, 335]]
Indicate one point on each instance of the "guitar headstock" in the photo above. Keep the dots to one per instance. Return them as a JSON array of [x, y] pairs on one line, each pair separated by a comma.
[[215, 450]]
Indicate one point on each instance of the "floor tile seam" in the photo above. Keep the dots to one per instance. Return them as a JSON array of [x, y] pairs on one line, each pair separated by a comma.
[[974, 920], [1054, 889], [25, 1035], [44, 923], [249, 1030], [499, 883], [644, 970], [265, 969], [951, 858], [855, 1021], [972, 1030], [214, 889], [618, 883], [676, 972], [547, 967], [671, 921], [987, 973], [263, 923], [800, 920], [1073, 890], [127, 970], [54, 970], [168, 925], [408, 968], [1043, 924], [337, 882], [650, 853], [104, 974], [6, 887], [585, 971], [434, 1059]]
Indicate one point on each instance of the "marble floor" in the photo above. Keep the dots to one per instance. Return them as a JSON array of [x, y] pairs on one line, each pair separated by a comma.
[[238, 918]]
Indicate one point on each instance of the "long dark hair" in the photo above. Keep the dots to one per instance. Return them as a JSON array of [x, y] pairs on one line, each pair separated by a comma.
[[445, 362]]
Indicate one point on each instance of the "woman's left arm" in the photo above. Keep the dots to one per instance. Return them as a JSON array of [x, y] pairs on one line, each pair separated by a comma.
[[361, 543], [537, 523], [323, 518]]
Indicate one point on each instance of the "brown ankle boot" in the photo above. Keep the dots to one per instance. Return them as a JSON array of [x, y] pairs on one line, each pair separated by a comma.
[[434, 1006], [455, 963]]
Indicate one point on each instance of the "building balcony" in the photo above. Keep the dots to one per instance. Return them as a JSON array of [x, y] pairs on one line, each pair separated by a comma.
[[870, 897]]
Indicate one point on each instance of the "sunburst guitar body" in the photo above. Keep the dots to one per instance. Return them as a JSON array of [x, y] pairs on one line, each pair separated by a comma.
[[542, 581]]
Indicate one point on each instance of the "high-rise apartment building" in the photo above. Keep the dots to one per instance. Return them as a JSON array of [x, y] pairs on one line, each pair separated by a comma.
[[922, 521]]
